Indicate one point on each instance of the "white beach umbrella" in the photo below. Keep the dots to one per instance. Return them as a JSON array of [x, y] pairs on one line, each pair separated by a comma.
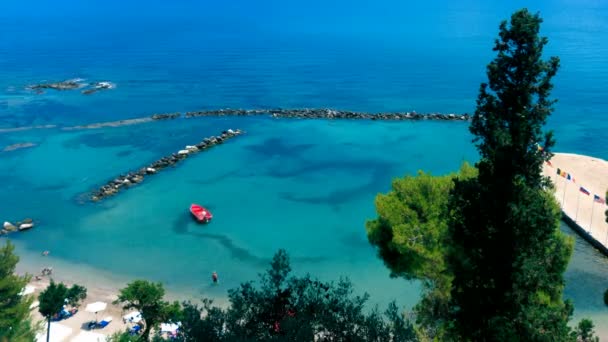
[[95, 308], [169, 327]]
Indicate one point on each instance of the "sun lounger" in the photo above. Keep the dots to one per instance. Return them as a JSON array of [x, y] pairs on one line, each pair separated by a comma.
[[104, 322], [135, 330]]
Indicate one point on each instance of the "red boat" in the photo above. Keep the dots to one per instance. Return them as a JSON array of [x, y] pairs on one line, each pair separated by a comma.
[[200, 213]]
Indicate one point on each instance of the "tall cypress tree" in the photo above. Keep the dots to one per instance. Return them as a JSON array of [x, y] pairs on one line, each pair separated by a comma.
[[506, 251]]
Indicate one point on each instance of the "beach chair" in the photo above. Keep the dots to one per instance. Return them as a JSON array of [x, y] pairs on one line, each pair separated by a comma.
[[104, 322], [135, 330]]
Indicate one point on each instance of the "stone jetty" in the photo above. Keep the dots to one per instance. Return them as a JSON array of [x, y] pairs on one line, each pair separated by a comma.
[[125, 181], [326, 113]]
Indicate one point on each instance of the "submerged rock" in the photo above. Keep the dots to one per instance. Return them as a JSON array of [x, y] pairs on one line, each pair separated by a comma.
[[26, 226], [18, 146], [9, 226], [63, 85]]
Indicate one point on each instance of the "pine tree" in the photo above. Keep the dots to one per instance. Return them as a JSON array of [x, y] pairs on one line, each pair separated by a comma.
[[15, 322], [506, 252]]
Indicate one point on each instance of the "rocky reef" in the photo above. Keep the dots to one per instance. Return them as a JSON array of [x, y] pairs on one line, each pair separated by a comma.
[[8, 227], [126, 181], [326, 113], [63, 85], [72, 84], [98, 86]]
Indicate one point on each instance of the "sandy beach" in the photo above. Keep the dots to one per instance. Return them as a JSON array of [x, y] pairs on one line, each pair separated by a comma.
[[591, 174], [79, 321]]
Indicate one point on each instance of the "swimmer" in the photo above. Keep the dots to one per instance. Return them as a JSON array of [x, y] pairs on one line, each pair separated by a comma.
[[45, 253], [214, 277]]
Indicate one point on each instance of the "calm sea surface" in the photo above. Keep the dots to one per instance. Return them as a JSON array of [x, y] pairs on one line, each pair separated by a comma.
[[307, 186]]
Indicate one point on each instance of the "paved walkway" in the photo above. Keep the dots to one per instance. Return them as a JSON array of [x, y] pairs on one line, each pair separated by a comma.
[[592, 175]]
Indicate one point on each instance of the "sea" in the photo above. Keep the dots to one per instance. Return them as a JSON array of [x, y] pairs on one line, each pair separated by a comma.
[[307, 186]]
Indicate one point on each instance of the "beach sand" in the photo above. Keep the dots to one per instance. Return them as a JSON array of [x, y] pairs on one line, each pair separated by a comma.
[[587, 172], [79, 321]]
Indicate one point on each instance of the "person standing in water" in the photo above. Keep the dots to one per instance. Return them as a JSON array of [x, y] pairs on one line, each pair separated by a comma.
[[214, 277]]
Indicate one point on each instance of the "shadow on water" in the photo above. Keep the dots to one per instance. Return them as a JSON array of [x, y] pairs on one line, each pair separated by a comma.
[[278, 147], [335, 199], [355, 240], [181, 225], [46, 111], [350, 166], [124, 153]]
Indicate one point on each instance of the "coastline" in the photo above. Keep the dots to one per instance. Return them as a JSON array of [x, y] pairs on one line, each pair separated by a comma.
[[103, 285]]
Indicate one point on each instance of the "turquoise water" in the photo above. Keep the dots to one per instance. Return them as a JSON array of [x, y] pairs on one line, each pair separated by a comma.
[[307, 186]]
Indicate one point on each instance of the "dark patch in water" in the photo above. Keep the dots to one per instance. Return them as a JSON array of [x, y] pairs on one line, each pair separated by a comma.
[[124, 153], [237, 252], [278, 147], [47, 111], [351, 166], [380, 179], [51, 187], [181, 225], [354, 240]]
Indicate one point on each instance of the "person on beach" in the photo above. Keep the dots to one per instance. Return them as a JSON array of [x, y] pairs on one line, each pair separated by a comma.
[[214, 277]]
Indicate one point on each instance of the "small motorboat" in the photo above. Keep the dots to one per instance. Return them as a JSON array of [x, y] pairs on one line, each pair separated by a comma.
[[201, 214]]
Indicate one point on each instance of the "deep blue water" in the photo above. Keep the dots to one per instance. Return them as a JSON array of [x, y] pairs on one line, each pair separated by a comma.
[[305, 186]]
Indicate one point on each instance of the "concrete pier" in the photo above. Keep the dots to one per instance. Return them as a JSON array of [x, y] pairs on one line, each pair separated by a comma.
[[581, 212]]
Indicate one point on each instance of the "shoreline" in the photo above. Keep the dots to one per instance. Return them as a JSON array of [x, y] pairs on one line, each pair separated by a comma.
[[103, 285]]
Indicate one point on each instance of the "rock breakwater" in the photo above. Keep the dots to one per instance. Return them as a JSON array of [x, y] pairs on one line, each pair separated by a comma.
[[326, 113], [167, 116], [125, 181]]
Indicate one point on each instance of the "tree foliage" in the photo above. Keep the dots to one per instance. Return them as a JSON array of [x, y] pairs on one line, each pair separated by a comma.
[[55, 296], [584, 332], [410, 234], [506, 252], [15, 322], [148, 299], [285, 308]]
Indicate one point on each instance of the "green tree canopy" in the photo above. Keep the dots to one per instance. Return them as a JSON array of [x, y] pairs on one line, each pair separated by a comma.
[[585, 332], [285, 308], [410, 234], [148, 299], [15, 322], [55, 296], [506, 252]]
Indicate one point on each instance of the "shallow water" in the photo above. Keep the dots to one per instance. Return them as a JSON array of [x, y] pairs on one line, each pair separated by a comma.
[[307, 186]]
